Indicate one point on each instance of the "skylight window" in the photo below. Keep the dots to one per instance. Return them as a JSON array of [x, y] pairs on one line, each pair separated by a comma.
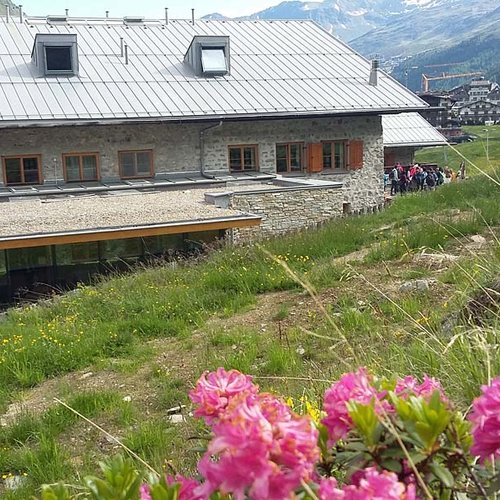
[[213, 60], [58, 59]]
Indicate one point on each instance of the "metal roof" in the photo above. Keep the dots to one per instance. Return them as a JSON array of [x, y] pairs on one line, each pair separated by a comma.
[[410, 129], [277, 68]]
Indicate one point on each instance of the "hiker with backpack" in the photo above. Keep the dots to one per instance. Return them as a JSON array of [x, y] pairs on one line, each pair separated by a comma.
[[430, 180]]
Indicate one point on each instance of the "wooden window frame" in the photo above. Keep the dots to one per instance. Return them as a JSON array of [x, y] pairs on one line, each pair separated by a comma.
[[151, 163], [288, 156], [345, 168], [80, 166], [241, 147], [21, 157]]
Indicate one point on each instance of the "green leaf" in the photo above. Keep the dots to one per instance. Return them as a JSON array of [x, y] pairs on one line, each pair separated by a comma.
[[443, 474], [392, 465]]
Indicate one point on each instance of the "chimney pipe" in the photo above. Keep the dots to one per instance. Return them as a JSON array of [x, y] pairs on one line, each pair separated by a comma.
[[192, 16], [126, 54], [122, 48], [166, 15], [107, 14], [374, 73], [67, 12], [7, 13], [21, 17]]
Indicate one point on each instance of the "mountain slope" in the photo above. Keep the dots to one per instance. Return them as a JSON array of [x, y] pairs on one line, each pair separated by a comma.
[[347, 19], [442, 24]]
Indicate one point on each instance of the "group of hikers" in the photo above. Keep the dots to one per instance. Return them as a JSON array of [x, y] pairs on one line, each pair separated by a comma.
[[416, 178]]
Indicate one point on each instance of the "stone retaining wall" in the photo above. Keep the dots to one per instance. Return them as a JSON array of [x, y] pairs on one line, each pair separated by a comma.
[[283, 211]]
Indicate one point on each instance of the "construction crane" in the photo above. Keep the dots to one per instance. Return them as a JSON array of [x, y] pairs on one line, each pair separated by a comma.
[[426, 78]]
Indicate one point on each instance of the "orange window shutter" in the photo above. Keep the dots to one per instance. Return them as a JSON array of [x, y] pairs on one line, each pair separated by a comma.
[[315, 163], [355, 155]]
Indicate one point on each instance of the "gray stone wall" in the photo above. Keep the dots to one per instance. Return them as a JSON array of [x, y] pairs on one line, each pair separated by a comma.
[[283, 211], [363, 189], [176, 148]]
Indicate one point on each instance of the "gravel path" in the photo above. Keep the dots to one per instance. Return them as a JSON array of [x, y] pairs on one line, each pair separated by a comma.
[[27, 216]]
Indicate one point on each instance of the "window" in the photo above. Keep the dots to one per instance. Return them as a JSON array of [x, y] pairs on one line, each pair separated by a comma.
[[243, 158], [81, 167], [290, 157], [22, 169], [58, 59], [135, 164], [334, 156], [213, 60]]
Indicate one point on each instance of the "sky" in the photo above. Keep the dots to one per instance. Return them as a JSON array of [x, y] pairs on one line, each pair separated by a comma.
[[178, 9]]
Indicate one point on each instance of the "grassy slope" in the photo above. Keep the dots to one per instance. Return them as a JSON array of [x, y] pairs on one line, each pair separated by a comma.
[[150, 334]]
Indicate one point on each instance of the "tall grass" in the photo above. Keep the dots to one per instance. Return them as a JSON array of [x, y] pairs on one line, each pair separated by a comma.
[[113, 318]]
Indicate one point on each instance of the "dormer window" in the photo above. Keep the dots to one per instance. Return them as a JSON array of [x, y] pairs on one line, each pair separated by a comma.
[[55, 54], [209, 55]]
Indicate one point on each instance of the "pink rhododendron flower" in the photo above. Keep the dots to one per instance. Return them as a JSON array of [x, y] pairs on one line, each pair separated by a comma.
[[187, 489], [409, 385], [214, 390], [351, 387], [485, 419], [369, 484], [328, 489], [260, 447], [145, 492]]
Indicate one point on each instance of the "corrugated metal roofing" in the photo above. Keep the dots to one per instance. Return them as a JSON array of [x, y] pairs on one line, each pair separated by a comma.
[[277, 68], [410, 129]]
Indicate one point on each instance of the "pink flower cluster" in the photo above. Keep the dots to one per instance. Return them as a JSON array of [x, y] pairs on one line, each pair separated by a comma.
[[368, 484], [260, 446], [186, 490], [359, 386], [409, 385], [355, 386], [485, 419], [214, 390]]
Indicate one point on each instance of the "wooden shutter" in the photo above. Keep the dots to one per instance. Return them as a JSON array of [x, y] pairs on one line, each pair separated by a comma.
[[315, 157], [355, 155]]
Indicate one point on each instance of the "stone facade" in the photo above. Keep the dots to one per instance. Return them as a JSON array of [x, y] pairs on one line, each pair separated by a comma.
[[286, 210], [404, 155], [177, 148]]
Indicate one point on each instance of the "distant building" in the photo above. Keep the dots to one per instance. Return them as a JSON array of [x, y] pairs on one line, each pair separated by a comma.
[[477, 103], [439, 112]]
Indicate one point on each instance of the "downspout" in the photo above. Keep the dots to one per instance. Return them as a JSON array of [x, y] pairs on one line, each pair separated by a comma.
[[202, 149]]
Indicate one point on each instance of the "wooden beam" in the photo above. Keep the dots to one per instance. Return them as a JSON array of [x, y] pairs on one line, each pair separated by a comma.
[[66, 238]]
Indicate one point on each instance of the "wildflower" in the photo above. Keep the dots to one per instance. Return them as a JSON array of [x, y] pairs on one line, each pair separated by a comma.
[[409, 385], [261, 447], [187, 487], [351, 387], [214, 390], [485, 419], [145, 492], [368, 484]]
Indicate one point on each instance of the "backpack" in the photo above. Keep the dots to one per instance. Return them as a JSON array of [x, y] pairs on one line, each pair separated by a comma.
[[391, 174], [430, 180]]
